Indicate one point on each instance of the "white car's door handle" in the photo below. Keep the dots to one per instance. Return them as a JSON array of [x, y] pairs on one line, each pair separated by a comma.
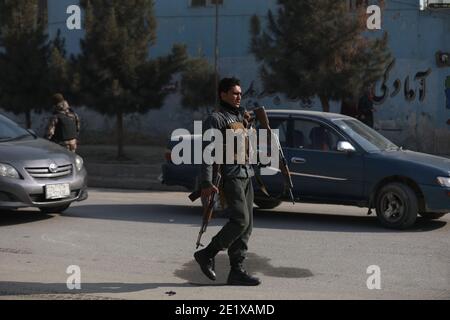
[[298, 160]]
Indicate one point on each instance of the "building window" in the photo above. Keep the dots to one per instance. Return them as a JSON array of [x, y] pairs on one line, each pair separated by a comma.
[[205, 3]]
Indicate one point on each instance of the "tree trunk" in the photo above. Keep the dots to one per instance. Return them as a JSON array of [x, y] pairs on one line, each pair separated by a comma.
[[325, 103], [120, 151], [28, 119], [349, 107]]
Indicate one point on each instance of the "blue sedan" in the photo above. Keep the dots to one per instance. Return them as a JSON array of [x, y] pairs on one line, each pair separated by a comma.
[[336, 159]]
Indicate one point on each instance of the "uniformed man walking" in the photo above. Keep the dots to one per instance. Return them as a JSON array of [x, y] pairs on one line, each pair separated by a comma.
[[237, 190], [64, 125]]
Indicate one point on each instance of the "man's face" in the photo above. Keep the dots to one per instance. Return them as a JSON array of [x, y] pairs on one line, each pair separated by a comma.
[[233, 96]]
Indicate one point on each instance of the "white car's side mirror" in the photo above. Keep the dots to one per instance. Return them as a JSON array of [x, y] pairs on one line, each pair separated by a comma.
[[345, 146]]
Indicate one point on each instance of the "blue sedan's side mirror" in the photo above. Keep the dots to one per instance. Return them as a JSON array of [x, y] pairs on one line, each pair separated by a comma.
[[345, 146]]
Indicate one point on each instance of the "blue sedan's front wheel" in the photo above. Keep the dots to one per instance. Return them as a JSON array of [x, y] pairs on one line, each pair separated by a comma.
[[397, 206]]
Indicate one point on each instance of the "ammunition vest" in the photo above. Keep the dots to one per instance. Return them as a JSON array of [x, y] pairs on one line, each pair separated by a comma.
[[66, 128], [240, 130]]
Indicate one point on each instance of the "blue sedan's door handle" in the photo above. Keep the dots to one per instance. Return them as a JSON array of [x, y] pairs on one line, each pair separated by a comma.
[[298, 160]]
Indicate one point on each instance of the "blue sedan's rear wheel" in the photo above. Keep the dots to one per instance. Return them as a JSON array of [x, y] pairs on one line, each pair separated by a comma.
[[397, 206], [267, 204]]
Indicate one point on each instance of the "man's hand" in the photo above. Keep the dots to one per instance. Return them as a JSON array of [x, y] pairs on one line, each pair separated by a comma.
[[206, 192], [247, 119]]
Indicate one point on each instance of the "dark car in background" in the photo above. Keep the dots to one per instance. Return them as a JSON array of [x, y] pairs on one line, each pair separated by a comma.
[[336, 159], [37, 173]]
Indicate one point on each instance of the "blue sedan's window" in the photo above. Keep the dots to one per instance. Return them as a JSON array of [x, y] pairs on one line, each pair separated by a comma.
[[10, 130], [281, 125], [313, 136], [365, 136]]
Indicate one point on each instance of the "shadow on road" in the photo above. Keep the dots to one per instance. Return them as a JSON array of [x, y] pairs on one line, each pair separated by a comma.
[[338, 222], [14, 288], [271, 219], [191, 272], [190, 215], [8, 218]]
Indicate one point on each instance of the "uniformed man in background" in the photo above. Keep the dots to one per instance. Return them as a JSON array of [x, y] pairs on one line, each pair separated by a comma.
[[64, 125]]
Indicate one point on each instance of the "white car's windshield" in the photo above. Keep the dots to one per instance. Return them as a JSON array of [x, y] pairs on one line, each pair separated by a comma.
[[9, 130], [365, 136]]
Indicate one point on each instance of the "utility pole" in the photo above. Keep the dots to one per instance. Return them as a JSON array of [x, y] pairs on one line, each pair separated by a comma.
[[216, 55]]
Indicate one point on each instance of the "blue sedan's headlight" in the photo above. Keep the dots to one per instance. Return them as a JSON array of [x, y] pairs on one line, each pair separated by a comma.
[[78, 163], [444, 181], [8, 171]]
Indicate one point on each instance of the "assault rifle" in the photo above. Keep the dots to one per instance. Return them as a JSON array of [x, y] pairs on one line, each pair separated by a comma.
[[208, 205], [261, 116]]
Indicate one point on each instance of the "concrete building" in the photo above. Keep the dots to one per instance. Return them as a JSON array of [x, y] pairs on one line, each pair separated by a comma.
[[414, 103]]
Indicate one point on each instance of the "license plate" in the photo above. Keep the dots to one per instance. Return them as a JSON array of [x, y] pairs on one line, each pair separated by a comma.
[[57, 191]]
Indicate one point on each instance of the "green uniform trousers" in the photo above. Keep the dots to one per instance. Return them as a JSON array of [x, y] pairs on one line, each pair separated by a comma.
[[235, 233]]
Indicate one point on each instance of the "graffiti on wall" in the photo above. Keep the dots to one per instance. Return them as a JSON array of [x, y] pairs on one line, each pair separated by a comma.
[[409, 89], [252, 95]]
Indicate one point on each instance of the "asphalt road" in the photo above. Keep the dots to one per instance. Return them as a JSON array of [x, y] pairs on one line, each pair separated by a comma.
[[139, 245]]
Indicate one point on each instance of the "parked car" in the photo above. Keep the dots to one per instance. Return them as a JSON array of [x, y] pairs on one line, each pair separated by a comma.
[[336, 159], [37, 173]]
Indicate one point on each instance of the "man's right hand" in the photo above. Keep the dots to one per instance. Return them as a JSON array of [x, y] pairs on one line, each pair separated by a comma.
[[207, 192]]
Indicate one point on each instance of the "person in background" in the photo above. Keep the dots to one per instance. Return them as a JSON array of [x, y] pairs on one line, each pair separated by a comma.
[[64, 125], [365, 108]]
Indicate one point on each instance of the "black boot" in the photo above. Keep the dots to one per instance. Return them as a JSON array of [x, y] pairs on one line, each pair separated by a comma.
[[240, 277], [205, 259]]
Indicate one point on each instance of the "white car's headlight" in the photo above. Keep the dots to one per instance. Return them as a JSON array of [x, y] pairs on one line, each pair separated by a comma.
[[79, 163], [8, 171], [444, 181]]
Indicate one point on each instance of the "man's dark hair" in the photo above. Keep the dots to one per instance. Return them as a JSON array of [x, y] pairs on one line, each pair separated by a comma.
[[57, 98], [227, 83]]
